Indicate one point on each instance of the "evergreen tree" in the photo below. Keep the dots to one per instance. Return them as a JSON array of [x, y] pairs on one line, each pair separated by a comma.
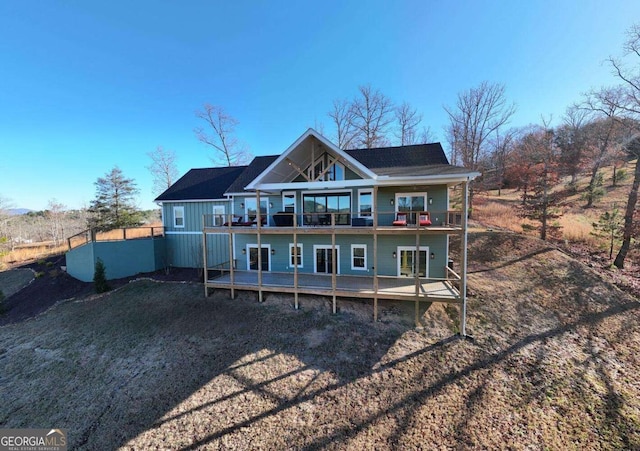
[[100, 277], [114, 206], [609, 226]]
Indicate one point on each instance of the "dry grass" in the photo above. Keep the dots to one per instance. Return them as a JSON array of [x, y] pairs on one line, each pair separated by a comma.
[[33, 252], [553, 365]]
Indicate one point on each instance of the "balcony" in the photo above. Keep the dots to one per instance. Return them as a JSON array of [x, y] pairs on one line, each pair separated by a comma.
[[389, 222]]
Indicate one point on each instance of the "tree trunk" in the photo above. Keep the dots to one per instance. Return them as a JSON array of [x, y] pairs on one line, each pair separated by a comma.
[[592, 183], [628, 218]]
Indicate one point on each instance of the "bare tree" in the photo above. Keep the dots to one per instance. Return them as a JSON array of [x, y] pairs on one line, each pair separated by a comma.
[[408, 120], [372, 113], [502, 144], [163, 168], [602, 132], [426, 135], [342, 117], [630, 104], [222, 139], [55, 217], [478, 114], [571, 139]]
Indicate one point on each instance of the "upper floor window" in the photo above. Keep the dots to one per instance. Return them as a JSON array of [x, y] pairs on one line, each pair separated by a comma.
[[365, 203], [326, 168], [289, 201], [178, 217], [218, 215]]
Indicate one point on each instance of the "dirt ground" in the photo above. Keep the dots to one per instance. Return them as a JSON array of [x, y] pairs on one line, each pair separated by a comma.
[[553, 364]]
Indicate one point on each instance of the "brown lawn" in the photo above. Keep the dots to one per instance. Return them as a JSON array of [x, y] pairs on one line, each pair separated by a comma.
[[554, 365]]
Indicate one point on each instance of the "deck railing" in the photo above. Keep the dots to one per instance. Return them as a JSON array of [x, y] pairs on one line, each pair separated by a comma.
[[449, 218], [126, 233]]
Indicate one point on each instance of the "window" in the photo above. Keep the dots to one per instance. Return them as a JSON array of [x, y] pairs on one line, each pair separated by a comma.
[[317, 208], [326, 168], [295, 256], [365, 203], [178, 217], [412, 204], [218, 215], [358, 257], [289, 201]]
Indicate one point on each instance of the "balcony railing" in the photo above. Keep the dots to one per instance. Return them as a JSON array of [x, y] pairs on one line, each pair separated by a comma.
[[450, 218], [129, 233]]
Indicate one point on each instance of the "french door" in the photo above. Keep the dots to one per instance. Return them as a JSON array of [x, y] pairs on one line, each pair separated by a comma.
[[323, 261], [252, 258], [411, 261]]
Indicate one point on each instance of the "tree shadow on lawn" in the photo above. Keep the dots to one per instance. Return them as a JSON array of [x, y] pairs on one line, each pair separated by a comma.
[[171, 369], [175, 360]]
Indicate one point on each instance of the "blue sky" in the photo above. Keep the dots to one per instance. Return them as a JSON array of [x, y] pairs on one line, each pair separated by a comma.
[[86, 85]]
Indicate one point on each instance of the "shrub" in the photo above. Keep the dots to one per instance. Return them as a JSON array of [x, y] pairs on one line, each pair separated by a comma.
[[619, 176], [100, 277]]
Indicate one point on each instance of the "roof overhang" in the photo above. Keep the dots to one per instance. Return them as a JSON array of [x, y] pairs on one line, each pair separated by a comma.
[[300, 155], [441, 179]]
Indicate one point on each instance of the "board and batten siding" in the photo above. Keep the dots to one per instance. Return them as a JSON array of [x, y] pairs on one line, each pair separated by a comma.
[[184, 244], [387, 245]]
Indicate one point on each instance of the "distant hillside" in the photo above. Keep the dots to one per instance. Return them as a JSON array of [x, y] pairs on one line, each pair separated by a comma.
[[18, 211]]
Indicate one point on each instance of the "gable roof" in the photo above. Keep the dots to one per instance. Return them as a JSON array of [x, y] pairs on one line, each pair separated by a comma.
[[202, 184], [299, 151], [255, 168]]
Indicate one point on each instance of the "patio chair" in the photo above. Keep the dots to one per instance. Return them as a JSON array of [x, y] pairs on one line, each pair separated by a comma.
[[424, 219], [401, 219]]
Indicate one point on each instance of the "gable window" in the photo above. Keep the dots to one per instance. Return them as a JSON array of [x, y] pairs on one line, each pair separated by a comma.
[[218, 215], [326, 168], [178, 217], [295, 255], [359, 257], [411, 203], [365, 203]]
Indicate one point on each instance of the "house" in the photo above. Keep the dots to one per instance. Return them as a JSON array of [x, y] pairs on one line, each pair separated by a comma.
[[369, 223]]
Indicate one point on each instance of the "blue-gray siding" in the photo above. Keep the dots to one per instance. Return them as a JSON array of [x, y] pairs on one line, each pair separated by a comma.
[[120, 258]]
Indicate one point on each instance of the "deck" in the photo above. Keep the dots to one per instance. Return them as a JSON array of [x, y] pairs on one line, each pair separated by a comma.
[[346, 286]]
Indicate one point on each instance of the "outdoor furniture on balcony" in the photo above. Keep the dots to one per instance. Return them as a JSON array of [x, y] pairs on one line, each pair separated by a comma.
[[424, 219], [401, 219]]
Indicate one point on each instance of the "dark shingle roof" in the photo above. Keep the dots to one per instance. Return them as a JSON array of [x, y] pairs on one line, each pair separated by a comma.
[[213, 183], [202, 184], [382, 158], [254, 169]]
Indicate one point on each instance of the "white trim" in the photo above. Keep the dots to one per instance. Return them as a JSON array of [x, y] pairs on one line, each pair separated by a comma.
[[301, 265], [412, 248], [325, 246], [175, 210], [255, 246], [359, 246], [255, 183]]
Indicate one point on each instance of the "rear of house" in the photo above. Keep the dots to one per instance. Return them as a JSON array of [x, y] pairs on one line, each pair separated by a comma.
[[367, 222]]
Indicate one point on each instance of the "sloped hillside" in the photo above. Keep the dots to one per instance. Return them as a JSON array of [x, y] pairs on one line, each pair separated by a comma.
[[553, 365]]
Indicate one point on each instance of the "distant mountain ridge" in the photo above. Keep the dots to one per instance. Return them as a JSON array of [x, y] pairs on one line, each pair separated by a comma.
[[18, 211]]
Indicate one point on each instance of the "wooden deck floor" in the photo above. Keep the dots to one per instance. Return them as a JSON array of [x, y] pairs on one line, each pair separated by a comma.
[[346, 286]]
